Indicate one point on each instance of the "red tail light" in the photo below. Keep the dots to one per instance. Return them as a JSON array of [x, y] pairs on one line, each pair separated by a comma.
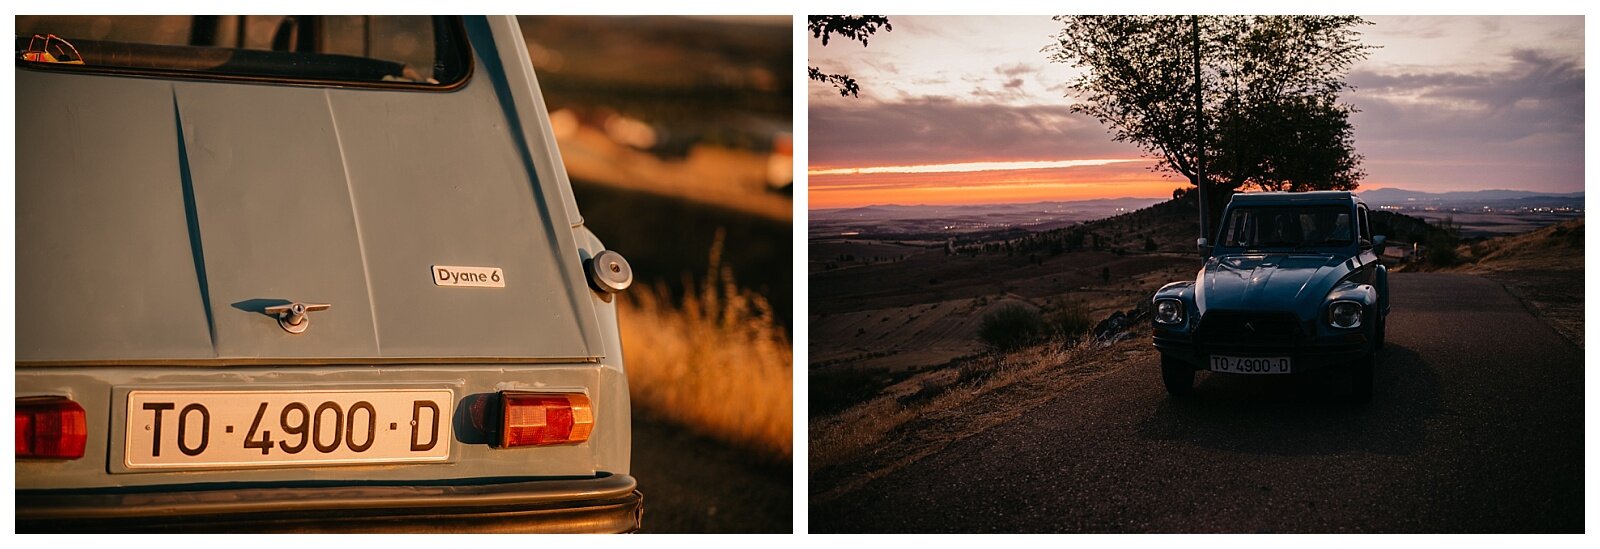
[[542, 419], [50, 428]]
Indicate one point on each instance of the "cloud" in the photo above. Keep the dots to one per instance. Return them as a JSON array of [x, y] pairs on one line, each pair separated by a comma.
[[1014, 83], [967, 167], [1520, 126], [944, 131], [1015, 70], [1536, 77]]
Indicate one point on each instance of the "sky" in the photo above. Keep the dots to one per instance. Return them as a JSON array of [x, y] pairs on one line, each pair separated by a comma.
[[965, 109]]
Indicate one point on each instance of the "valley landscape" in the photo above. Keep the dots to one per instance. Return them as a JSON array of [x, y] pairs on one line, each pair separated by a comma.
[[899, 367]]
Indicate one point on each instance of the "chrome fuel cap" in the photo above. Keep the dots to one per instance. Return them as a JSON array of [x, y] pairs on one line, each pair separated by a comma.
[[608, 272]]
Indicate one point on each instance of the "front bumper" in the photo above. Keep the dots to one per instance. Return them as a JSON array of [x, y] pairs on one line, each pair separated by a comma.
[[602, 504]]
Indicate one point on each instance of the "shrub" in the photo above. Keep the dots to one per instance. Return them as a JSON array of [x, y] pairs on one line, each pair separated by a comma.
[[1071, 322], [1011, 326]]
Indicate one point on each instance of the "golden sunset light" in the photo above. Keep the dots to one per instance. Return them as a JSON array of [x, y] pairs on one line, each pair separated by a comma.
[[1083, 182], [966, 167]]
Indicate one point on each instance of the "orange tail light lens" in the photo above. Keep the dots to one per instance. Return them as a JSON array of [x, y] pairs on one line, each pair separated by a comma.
[[50, 428], [544, 419]]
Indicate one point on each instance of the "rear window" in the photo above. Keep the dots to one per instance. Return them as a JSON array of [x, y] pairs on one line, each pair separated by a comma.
[[385, 50]]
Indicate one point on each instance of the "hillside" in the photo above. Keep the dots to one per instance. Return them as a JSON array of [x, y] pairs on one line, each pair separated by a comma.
[[1557, 247], [1173, 225], [1543, 268]]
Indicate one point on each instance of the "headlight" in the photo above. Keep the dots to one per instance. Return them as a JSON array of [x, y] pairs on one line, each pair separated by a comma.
[[1344, 314], [1169, 311]]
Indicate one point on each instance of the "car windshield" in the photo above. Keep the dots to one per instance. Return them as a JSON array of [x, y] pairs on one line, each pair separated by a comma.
[[1288, 227]]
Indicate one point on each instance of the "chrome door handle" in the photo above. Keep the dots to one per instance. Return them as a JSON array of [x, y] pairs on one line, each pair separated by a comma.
[[293, 318]]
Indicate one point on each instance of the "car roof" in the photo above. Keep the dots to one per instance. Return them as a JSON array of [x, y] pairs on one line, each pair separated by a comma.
[[1329, 198]]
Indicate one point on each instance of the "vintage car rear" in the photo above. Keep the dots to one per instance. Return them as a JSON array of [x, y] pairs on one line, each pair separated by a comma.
[[1293, 285], [308, 273]]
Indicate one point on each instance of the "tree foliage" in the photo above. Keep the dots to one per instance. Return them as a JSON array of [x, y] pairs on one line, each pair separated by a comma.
[[1270, 116], [851, 27]]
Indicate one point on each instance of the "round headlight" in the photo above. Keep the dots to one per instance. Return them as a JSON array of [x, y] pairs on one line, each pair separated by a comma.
[[1169, 311], [1345, 314]]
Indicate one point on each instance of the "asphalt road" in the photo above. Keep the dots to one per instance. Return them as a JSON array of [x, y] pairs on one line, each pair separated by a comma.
[[1476, 426], [693, 484]]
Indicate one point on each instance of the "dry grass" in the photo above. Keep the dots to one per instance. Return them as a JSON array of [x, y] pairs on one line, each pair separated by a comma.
[[1557, 247], [884, 434], [716, 361], [864, 427]]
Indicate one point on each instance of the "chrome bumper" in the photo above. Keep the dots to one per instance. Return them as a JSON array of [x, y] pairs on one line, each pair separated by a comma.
[[603, 504]]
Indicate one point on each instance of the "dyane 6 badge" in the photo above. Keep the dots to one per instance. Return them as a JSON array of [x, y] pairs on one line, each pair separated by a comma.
[[471, 277]]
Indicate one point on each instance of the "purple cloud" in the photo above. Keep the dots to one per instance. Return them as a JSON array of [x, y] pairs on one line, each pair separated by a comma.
[[941, 131], [1519, 127]]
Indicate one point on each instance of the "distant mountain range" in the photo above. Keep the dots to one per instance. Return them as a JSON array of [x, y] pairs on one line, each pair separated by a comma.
[[935, 211], [1495, 198], [930, 220], [1375, 198]]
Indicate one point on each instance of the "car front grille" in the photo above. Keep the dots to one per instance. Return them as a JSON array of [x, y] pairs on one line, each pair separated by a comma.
[[1248, 329]]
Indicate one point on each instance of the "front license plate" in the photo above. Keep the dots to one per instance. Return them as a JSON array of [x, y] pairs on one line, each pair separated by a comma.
[[237, 429], [1250, 365]]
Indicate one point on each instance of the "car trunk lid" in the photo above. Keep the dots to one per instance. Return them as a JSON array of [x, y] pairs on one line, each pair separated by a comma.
[[178, 211]]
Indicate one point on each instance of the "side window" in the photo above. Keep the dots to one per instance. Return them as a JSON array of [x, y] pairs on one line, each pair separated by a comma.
[[1366, 230], [395, 49], [1240, 225]]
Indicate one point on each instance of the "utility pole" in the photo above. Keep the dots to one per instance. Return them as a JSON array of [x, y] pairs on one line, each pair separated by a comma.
[[1199, 134]]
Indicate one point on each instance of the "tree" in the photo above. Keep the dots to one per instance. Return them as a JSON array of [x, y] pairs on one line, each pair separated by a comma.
[[1269, 115], [851, 27]]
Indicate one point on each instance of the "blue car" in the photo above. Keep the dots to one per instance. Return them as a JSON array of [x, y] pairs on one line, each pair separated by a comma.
[[316, 273], [1292, 284]]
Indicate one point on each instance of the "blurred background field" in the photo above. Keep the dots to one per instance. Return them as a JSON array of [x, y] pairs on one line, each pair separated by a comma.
[[672, 129], [714, 359], [676, 134]]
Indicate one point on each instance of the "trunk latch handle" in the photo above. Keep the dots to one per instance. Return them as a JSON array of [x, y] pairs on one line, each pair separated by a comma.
[[293, 317]]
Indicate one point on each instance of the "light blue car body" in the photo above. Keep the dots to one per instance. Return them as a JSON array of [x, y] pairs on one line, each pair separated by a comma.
[[156, 213]]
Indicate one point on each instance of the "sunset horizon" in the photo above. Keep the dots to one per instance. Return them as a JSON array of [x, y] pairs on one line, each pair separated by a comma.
[[1013, 186], [965, 110]]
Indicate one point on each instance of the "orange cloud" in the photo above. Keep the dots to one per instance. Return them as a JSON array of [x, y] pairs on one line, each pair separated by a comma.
[[966, 167], [990, 187]]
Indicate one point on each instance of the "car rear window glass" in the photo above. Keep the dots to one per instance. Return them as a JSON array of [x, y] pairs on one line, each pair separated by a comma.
[[1289, 226], [404, 49]]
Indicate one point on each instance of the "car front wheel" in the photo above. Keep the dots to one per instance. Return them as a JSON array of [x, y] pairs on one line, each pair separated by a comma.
[[1177, 376]]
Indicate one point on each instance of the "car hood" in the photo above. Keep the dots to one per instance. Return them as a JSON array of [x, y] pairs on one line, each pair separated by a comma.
[[1269, 282]]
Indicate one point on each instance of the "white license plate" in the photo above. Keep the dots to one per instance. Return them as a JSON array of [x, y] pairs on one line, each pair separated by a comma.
[[238, 429], [1250, 365]]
